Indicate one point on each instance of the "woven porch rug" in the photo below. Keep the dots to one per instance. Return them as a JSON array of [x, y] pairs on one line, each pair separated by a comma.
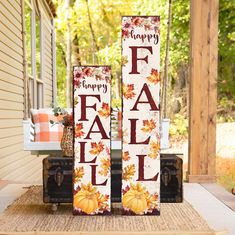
[[29, 213]]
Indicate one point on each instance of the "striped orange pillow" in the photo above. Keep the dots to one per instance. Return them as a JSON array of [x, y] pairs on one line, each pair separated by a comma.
[[44, 130]]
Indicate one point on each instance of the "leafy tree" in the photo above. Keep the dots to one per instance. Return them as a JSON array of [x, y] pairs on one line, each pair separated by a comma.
[[96, 39], [227, 48]]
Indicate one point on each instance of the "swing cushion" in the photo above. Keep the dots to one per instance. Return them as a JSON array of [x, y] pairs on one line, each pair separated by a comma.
[[44, 130]]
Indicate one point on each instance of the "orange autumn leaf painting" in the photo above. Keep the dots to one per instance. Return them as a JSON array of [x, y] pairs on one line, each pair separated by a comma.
[[128, 172], [105, 166], [128, 91], [78, 174], [148, 125], [126, 156], [124, 60], [105, 110], [79, 130], [96, 148], [151, 199], [154, 77], [102, 201], [154, 149]]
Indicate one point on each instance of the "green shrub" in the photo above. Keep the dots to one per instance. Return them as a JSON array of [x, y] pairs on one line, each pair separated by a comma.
[[179, 126]]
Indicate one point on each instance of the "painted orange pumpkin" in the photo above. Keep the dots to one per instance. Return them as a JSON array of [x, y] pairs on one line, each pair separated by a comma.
[[135, 200], [86, 199]]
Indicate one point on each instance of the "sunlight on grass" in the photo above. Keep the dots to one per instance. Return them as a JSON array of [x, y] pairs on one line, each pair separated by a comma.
[[225, 170]]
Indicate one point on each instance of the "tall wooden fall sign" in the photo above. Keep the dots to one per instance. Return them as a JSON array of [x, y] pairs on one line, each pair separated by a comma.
[[141, 139], [91, 140]]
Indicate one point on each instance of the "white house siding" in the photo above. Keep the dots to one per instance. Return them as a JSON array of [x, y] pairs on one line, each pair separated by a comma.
[[15, 163]]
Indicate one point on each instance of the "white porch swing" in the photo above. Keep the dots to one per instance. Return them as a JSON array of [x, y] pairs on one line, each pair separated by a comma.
[[49, 147]]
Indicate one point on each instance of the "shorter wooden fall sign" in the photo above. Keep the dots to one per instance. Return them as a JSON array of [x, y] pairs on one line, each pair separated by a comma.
[[91, 91], [141, 137]]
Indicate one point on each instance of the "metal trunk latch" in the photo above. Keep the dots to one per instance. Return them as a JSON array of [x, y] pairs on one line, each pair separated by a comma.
[[59, 176]]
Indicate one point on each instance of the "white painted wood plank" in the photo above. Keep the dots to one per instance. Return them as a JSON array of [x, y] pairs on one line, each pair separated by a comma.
[[11, 114], [8, 30], [13, 12], [17, 55], [10, 132], [5, 95], [10, 69], [7, 85], [13, 26], [10, 43], [14, 157], [15, 5], [10, 193], [9, 141], [10, 16], [11, 105], [13, 170], [11, 61], [217, 214]]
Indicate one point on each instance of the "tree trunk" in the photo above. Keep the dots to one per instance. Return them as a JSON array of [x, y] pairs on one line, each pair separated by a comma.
[[76, 51], [68, 59], [165, 78], [94, 41]]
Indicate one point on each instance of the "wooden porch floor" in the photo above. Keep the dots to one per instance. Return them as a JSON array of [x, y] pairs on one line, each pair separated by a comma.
[[212, 208]]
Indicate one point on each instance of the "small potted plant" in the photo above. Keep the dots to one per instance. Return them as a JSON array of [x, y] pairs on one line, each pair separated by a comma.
[[66, 120]]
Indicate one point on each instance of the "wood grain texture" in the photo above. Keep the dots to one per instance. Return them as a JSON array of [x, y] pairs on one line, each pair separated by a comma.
[[212, 103], [203, 90], [195, 86]]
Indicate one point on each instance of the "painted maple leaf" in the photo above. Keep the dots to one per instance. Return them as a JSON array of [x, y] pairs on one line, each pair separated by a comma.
[[105, 110], [148, 125], [151, 199], [102, 200], [124, 60], [154, 149], [155, 145], [96, 148], [105, 165], [127, 188], [99, 77], [78, 174], [126, 156], [79, 130], [128, 91], [128, 172], [154, 77]]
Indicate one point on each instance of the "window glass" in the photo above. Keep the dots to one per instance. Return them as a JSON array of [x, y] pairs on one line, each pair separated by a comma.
[[38, 47], [28, 37]]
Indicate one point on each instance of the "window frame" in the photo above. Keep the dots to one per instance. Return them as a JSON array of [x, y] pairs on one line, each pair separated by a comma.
[[35, 83]]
